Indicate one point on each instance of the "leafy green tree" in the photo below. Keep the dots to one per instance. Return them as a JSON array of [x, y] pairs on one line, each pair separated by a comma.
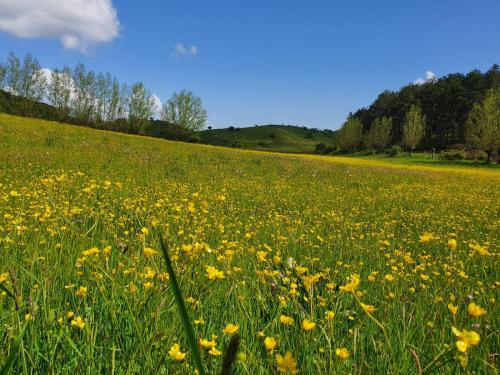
[[351, 134], [83, 103], [379, 134], [185, 111], [413, 128], [32, 82], [60, 90], [13, 74], [123, 101], [103, 87], [483, 124], [141, 107], [3, 74], [114, 101]]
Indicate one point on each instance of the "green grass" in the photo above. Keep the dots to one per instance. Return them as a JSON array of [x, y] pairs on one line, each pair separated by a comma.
[[281, 138], [282, 232]]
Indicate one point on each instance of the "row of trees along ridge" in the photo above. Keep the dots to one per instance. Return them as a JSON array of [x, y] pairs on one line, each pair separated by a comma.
[[81, 96]]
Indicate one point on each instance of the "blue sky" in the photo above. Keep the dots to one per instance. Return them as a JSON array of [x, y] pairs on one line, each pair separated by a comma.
[[256, 62]]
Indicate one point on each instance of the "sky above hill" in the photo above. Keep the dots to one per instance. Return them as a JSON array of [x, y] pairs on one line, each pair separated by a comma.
[[258, 62]]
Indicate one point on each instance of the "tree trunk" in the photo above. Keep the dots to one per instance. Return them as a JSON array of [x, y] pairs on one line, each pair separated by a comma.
[[488, 159]]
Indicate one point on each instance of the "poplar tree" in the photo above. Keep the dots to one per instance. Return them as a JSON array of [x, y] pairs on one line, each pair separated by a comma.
[[483, 124], [141, 107], [351, 134], [413, 128], [379, 135]]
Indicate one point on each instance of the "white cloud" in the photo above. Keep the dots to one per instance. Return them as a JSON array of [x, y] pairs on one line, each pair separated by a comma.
[[429, 77], [181, 50], [78, 24]]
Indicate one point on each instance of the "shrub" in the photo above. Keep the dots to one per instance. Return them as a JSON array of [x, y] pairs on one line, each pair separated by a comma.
[[323, 149], [320, 148], [453, 155], [394, 151]]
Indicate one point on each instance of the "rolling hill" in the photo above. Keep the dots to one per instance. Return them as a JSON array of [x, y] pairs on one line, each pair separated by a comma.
[[283, 138]]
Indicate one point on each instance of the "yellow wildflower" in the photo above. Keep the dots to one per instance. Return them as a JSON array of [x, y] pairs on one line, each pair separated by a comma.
[[231, 328], [475, 311], [78, 322], [207, 344], [352, 284], [308, 325], [175, 353], [213, 273], [149, 252], [342, 353], [286, 363], [214, 351], [368, 308], [270, 343], [453, 309], [452, 244], [286, 320], [465, 339], [81, 292], [426, 237]]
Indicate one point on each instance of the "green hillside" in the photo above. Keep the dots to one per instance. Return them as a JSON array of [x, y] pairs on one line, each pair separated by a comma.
[[284, 138]]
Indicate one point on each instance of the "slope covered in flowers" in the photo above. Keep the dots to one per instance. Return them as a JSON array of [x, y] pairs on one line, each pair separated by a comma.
[[321, 265]]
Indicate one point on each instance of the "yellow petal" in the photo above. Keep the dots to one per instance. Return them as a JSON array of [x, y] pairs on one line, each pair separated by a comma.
[[462, 346]]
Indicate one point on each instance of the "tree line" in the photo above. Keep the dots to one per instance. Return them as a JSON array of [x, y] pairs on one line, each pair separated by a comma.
[[80, 96], [453, 111]]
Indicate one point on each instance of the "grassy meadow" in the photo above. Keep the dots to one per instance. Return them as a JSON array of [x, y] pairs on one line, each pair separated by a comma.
[[321, 264]]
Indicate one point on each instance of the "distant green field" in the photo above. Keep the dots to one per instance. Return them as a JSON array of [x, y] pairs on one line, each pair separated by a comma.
[[284, 138], [426, 160]]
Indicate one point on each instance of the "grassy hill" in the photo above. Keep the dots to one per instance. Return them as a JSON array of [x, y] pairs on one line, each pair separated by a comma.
[[283, 138], [343, 263]]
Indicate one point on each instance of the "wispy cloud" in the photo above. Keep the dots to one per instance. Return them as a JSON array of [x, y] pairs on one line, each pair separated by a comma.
[[181, 50], [429, 77], [78, 24]]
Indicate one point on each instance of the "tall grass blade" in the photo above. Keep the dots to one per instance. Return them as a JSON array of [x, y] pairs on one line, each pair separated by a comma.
[[14, 352], [193, 345], [230, 355], [9, 293]]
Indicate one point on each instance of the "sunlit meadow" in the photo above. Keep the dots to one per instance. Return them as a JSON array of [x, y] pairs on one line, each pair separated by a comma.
[[320, 264]]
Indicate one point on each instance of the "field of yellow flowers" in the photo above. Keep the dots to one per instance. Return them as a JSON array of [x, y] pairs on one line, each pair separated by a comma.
[[320, 264]]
